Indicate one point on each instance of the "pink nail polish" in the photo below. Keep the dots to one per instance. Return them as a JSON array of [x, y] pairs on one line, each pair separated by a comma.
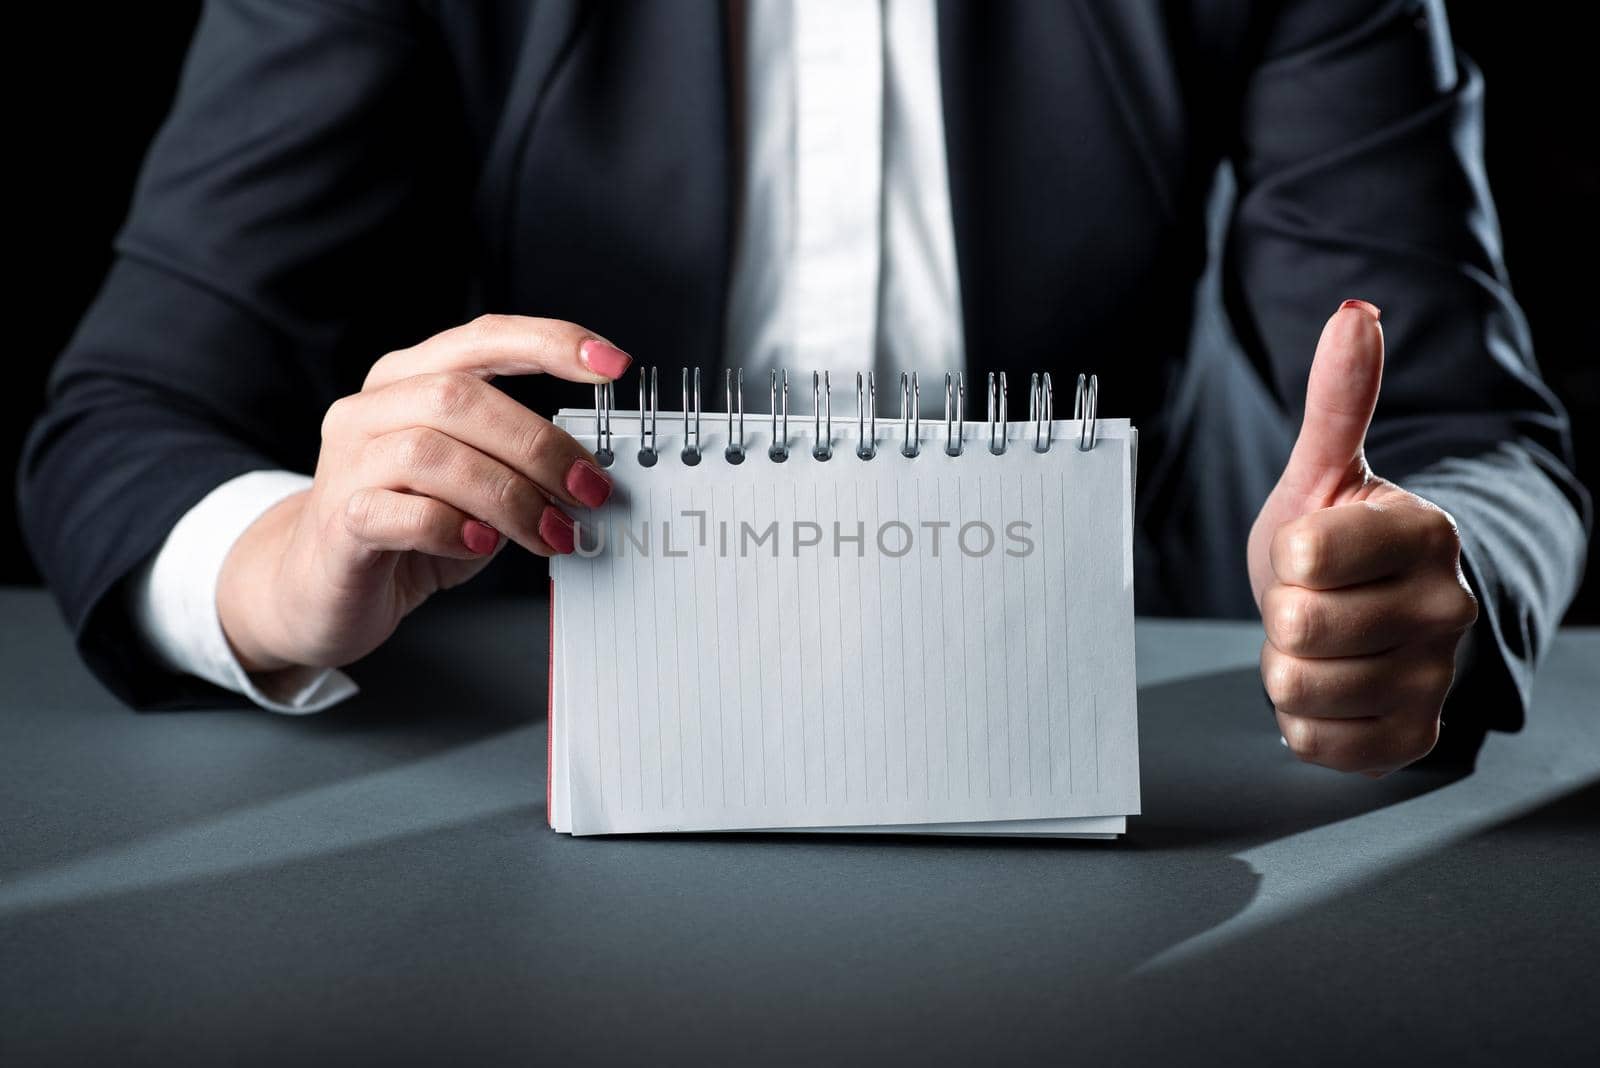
[[1361, 305], [555, 527], [603, 358], [585, 482], [479, 538]]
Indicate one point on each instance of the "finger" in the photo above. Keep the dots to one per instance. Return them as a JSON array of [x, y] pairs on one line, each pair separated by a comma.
[[1341, 393], [1362, 541], [384, 520], [1365, 745], [1366, 619], [493, 345], [477, 414], [428, 462], [1356, 687]]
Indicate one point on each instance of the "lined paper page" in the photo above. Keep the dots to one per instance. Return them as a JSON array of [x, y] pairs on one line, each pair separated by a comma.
[[560, 794], [849, 643]]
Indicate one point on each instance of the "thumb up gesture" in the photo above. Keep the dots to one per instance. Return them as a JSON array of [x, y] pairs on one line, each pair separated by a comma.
[[1359, 582]]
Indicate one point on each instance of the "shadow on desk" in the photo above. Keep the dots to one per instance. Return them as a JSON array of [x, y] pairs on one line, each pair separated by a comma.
[[1215, 772], [378, 884], [100, 800], [1494, 932]]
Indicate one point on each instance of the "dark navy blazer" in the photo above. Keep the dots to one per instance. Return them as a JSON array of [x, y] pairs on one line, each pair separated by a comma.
[[343, 177]]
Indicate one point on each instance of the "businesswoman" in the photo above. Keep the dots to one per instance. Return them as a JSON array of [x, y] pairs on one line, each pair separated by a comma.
[[377, 243]]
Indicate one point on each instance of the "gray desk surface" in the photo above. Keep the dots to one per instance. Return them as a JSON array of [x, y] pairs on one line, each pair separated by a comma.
[[377, 884]]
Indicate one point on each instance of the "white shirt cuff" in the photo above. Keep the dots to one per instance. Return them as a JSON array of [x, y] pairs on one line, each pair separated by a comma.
[[174, 599]]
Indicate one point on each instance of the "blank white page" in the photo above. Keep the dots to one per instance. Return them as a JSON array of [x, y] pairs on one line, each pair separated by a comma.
[[848, 643], [559, 797]]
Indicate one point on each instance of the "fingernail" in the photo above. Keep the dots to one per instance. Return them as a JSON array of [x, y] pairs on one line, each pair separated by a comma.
[[1361, 305], [479, 538], [604, 358], [555, 527], [585, 482]]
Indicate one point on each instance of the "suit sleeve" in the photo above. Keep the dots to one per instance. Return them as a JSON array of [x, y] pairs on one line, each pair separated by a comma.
[[1359, 159], [270, 207]]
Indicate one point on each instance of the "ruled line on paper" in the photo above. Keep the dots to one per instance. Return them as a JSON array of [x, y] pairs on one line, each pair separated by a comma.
[[944, 645], [1050, 707], [794, 624], [1005, 657], [674, 573], [935, 708], [966, 706], [1027, 658], [697, 636], [761, 649], [905, 719], [1066, 638], [838, 637], [878, 629], [638, 703], [738, 651], [814, 679]]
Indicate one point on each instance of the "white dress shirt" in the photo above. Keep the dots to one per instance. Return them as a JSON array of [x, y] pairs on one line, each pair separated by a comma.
[[845, 262]]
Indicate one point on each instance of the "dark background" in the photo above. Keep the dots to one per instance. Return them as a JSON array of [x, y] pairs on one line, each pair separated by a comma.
[[86, 128]]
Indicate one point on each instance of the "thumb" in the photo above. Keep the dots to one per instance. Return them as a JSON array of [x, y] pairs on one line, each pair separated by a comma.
[[1340, 397]]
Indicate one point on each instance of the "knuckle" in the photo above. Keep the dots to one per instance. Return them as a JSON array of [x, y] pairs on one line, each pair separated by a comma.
[[1304, 737], [1406, 744], [1439, 533], [487, 325], [1286, 683], [1420, 739], [336, 417], [1294, 623], [416, 449], [1435, 680], [1307, 553], [447, 393], [510, 493], [1466, 609], [537, 440], [1453, 610], [380, 369], [489, 333], [363, 513], [422, 519]]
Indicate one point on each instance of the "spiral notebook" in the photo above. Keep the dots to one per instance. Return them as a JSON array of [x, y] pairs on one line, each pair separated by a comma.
[[787, 621]]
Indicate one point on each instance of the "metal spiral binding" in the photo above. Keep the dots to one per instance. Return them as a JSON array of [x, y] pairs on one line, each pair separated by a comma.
[[1041, 415], [1086, 406], [691, 442], [779, 450], [955, 404], [603, 396], [1041, 410], [823, 449], [997, 402], [733, 383], [647, 437], [910, 416], [866, 416]]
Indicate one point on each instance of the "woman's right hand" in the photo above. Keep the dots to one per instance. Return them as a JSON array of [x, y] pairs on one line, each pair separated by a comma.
[[422, 477]]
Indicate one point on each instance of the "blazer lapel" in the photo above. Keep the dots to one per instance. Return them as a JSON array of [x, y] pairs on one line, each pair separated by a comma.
[[1026, 88], [612, 182], [1130, 41]]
